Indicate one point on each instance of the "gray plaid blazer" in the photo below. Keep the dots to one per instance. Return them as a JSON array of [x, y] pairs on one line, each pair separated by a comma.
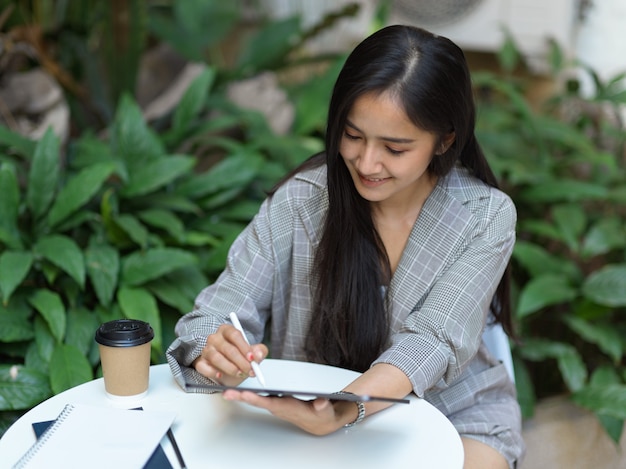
[[440, 292]]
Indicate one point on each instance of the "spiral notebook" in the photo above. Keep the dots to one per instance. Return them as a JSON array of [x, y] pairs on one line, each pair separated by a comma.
[[158, 460], [98, 437]]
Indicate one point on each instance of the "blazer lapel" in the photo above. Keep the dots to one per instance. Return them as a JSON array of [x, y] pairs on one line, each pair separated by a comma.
[[443, 228], [440, 232]]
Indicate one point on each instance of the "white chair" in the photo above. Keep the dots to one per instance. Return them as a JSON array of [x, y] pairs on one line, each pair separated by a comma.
[[497, 343]]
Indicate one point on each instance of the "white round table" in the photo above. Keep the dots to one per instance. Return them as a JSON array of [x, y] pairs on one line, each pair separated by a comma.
[[218, 434]]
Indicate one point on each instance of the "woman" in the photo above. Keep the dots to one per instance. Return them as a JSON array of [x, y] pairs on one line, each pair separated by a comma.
[[386, 254]]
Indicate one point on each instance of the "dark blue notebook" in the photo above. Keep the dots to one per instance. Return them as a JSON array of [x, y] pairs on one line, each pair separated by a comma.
[[158, 460]]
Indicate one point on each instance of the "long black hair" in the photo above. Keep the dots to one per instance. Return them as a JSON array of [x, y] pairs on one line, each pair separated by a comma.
[[428, 75]]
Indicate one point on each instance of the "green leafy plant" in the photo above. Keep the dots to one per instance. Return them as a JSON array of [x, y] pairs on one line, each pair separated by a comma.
[[133, 219], [119, 227], [564, 167], [93, 49]]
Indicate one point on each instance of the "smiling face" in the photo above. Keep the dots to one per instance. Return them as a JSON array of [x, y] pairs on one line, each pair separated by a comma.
[[386, 154]]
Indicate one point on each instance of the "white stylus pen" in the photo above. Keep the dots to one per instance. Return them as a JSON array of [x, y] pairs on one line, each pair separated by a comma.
[[255, 366]]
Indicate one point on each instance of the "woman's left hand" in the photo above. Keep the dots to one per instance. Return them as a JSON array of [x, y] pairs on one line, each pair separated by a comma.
[[323, 416], [318, 417]]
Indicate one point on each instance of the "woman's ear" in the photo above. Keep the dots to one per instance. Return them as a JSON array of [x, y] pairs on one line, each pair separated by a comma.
[[445, 143]]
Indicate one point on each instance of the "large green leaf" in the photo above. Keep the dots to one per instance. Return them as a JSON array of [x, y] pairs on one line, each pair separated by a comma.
[[508, 54], [138, 303], [65, 254], [541, 228], [156, 173], [200, 238], [15, 324], [216, 259], [542, 291], [604, 335], [89, 150], [141, 267], [219, 228], [270, 45], [174, 202], [9, 206], [241, 210], [22, 387], [564, 135], [14, 266], [187, 30], [572, 369], [192, 101], [79, 190], [525, 389], [221, 199], [44, 174], [51, 308], [44, 339], [235, 171], [537, 260], [68, 368], [571, 221], [311, 101], [607, 234], [179, 289], [132, 139], [81, 329], [604, 375], [614, 426], [287, 151], [133, 228], [34, 360], [78, 221], [194, 15], [166, 221], [103, 265], [608, 399], [618, 194], [569, 361], [607, 286], [565, 190], [121, 57], [24, 146]]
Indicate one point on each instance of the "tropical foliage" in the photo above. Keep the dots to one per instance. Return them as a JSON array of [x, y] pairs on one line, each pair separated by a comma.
[[564, 164], [133, 218]]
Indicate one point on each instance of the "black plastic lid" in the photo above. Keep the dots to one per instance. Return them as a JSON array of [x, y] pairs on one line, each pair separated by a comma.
[[124, 333]]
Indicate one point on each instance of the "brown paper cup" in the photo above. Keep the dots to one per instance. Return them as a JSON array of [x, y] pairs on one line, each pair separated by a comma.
[[124, 347]]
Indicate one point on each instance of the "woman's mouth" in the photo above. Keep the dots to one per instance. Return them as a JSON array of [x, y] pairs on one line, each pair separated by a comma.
[[371, 181]]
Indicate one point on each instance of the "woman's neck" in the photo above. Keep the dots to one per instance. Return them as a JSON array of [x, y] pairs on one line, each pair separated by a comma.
[[394, 223], [403, 211]]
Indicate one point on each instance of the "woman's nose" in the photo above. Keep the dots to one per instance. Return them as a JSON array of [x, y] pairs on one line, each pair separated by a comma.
[[369, 160]]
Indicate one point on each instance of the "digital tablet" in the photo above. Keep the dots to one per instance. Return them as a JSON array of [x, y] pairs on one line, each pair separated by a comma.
[[300, 394]]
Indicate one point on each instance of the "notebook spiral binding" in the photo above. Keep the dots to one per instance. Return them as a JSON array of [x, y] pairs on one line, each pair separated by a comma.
[[41, 441]]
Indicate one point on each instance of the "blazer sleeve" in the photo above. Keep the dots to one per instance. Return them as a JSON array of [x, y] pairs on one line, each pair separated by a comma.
[[443, 332], [245, 287]]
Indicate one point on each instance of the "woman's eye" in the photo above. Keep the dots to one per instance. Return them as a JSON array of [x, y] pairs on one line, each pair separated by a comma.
[[394, 152], [350, 136]]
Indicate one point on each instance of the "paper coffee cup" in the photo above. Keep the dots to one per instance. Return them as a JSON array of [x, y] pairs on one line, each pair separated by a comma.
[[124, 346]]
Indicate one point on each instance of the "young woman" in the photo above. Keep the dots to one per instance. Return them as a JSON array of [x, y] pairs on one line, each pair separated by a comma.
[[387, 255]]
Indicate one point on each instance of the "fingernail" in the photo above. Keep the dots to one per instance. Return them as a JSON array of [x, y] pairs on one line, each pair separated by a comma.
[[240, 374], [218, 375], [250, 356]]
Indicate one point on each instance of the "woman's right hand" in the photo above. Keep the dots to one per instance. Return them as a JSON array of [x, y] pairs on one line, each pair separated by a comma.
[[226, 356]]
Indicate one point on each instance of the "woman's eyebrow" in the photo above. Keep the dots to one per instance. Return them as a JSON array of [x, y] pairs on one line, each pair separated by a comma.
[[380, 137]]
